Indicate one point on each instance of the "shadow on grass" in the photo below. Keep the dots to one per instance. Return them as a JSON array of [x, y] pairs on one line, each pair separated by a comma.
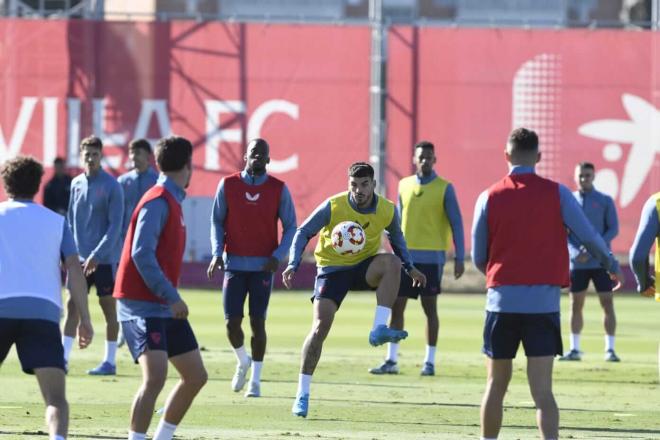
[[45, 434]]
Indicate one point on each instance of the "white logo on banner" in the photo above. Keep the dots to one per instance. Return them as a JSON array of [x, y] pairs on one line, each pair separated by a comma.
[[536, 105], [642, 132]]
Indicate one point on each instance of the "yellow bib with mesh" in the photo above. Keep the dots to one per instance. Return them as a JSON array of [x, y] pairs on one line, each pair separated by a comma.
[[373, 225], [424, 221], [657, 247]]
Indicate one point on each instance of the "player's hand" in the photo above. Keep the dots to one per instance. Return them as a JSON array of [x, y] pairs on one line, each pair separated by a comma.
[[85, 333], [459, 269], [179, 310], [287, 277], [89, 266], [216, 263], [271, 265], [583, 257], [419, 279], [617, 279], [649, 292]]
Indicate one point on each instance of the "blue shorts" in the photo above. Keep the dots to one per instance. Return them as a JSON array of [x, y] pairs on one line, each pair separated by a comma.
[[237, 285], [539, 333], [103, 278], [38, 343], [433, 274], [580, 280], [175, 336], [335, 285]]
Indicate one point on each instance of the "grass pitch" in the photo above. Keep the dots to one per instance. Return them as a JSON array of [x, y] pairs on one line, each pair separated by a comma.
[[597, 399]]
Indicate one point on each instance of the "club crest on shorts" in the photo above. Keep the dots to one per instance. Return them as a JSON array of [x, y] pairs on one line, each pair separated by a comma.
[[155, 337]]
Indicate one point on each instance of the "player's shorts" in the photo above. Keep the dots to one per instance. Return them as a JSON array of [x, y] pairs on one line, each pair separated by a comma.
[[335, 285], [235, 289], [433, 274], [38, 343], [539, 333], [103, 278], [580, 280], [175, 336]]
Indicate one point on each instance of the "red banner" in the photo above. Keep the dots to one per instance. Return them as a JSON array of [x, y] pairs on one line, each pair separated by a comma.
[[591, 95]]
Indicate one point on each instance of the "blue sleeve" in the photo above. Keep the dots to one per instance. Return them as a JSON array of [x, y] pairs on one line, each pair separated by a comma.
[[287, 215], [611, 222], [577, 222], [115, 222], [150, 222], [69, 211], [480, 233], [218, 214], [310, 227], [68, 245], [398, 242], [127, 212], [639, 252], [453, 212]]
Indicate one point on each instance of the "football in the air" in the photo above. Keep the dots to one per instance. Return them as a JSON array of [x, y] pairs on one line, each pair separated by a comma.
[[348, 238]]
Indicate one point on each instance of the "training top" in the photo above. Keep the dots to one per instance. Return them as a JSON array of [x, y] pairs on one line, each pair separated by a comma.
[[647, 233], [134, 184]]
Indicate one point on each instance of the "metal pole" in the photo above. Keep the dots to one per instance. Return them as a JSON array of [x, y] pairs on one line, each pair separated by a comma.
[[378, 92]]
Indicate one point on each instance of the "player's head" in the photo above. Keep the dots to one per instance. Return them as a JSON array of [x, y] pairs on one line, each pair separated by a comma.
[[174, 158], [21, 177], [361, 183], [424, 158], [139, 152], [59, 166], [257, 156], [584, 176], [91, 149], [522, 148]]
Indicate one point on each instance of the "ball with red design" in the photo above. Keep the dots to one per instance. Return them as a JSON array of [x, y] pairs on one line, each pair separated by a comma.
[[348, 238]]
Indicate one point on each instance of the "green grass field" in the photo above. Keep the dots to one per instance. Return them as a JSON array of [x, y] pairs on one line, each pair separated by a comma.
[[597, 399]]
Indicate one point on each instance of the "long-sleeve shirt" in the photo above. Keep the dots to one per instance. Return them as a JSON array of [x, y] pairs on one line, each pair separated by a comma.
[[57, 193], [95, 215], [535, 298], [453, 212], [286, 213], [600, 211], [134, 184], [150, 223], [647, 232], [321, 217]]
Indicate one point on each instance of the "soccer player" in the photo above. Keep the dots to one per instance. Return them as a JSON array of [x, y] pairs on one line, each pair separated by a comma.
[[519, 243], [137, 181], [151, 311], [33, 241], [244, 219], [58, 188], [647, 233], [601, 212], [96, 210], [337, 274], [430, 218]]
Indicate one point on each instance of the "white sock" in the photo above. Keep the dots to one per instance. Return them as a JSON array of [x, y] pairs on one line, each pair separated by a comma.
[[304, 383], [58, 437], [609, 342], [67, 343], [256, 371], [136, 435], [575, 341], [393, 351], [488, 438], [382, 316], [430, 355], [110, 352], [241, 355], [165, 431]]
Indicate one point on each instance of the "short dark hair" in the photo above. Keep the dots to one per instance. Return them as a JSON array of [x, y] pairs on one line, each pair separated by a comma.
[[21, 177], [58, 161], [523, 140], [173, 153], [91, 141], [361, 169], [425, 145], [587, 165], [140, 144], [259, 141]]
